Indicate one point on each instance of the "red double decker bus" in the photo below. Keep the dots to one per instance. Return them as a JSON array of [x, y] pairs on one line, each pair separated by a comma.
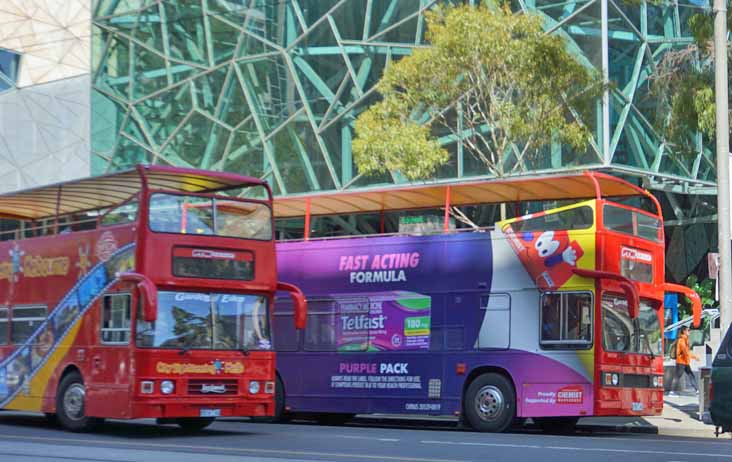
[[144, 293]]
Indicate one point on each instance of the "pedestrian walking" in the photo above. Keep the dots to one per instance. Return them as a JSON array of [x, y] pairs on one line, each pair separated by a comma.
[[683, 359]]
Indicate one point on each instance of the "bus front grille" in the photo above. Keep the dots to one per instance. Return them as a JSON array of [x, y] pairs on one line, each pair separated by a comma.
[[636, 381], [213, 387]]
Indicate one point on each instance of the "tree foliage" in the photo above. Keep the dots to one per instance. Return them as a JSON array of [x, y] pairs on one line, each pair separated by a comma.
[[683, 86], [492, 79]]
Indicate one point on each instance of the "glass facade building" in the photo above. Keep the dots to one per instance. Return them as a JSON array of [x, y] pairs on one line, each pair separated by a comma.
[[272, 88]]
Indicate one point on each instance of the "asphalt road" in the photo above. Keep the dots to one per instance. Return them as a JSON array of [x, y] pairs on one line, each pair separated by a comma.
[[29, 438]]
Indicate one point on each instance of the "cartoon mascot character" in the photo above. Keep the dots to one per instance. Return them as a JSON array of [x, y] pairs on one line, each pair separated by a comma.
[[548, 256]]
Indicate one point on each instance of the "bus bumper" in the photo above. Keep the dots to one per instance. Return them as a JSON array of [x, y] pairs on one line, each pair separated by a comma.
[[195, 408], [629, 402]]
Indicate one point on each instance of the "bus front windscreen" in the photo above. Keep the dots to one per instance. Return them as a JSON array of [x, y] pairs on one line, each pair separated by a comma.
[[207, 321], [173, 213], [623, 334]]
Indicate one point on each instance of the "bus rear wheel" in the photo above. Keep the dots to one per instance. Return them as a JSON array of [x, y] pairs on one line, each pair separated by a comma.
[[70, 404], [557, 425], [194, 424], [490, 403]]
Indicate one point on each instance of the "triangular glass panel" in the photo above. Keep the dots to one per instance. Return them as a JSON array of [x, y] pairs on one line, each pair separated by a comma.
[[207, 88], [391, 12], [163, 113], [113, 73], [9, 62], [234, 107], [349, 18], [189, 142], [151, 74], [186, 32], [224, 39], [149, 29]]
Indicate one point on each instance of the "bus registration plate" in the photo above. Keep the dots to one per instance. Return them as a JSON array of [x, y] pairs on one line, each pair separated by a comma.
[[637, 407], [210, 412]]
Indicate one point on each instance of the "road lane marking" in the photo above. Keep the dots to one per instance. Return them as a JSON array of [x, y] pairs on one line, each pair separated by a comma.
[[372, 438], [174, 447], [575, 448]]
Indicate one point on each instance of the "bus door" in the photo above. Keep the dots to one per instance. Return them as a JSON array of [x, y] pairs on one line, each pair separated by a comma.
[[110, 368]]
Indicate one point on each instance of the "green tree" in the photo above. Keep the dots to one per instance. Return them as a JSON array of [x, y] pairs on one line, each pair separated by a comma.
[[493, 79], [683, 87]]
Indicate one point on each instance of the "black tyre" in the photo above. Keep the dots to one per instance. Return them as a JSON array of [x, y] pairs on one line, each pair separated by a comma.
[[194, 424], [490, 403], [280, 415], [557, 425], [333, 419], [51, 419], [70, 405]]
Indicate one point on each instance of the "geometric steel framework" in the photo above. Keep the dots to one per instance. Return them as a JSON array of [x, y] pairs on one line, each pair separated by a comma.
[[272, 88]]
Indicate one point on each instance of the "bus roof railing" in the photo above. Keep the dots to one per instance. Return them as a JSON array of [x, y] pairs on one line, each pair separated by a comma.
[[584, 185], [112, 189]]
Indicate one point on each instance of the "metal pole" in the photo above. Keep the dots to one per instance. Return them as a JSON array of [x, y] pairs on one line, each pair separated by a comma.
[[723, 173]]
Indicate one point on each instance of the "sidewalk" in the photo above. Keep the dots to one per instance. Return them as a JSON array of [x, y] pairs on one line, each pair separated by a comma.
[[680, 418]]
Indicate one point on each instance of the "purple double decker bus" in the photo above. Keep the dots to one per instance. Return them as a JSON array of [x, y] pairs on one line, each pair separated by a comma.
[[554, 315]]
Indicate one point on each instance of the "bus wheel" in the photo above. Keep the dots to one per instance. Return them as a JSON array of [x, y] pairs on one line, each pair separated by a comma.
[[557, 425], [490, 403], [280, 414], [194, 424], [70, 405]]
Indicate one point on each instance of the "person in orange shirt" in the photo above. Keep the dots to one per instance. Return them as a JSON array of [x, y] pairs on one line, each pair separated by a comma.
[[683, 359]]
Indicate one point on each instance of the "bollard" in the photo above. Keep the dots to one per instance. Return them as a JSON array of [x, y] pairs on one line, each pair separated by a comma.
[[705, 383]]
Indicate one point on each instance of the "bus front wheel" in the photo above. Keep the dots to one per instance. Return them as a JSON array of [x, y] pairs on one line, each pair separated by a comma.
[[490, 403], [70, 404]]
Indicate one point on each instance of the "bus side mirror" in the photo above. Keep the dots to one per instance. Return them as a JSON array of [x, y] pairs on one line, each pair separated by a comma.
[[148, 292], [301, 303], [696, 306], [633, 299]]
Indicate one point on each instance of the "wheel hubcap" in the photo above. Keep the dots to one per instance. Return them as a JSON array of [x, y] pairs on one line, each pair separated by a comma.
[[489, 403], [74, 401]]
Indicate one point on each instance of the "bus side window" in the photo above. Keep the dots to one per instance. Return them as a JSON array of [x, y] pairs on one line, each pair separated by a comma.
[[320, 331], [566, 320], [286, 337], [116, 319], [125, 213], [25, 321], [4, 326]]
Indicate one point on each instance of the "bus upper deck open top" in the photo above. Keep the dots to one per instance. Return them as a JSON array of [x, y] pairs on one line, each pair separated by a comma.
[[144, 293], [553, 315]]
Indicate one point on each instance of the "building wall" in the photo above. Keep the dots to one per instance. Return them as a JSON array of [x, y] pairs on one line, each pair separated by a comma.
[[271, 89], [44, 91]]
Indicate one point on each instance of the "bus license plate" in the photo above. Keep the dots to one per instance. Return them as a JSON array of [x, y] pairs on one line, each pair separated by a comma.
[[637, 407], [210, 412]]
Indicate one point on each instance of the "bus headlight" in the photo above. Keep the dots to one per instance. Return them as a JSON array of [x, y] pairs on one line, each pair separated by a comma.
[[167, 387], [611, 379], [254, 387], [147, 387]]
